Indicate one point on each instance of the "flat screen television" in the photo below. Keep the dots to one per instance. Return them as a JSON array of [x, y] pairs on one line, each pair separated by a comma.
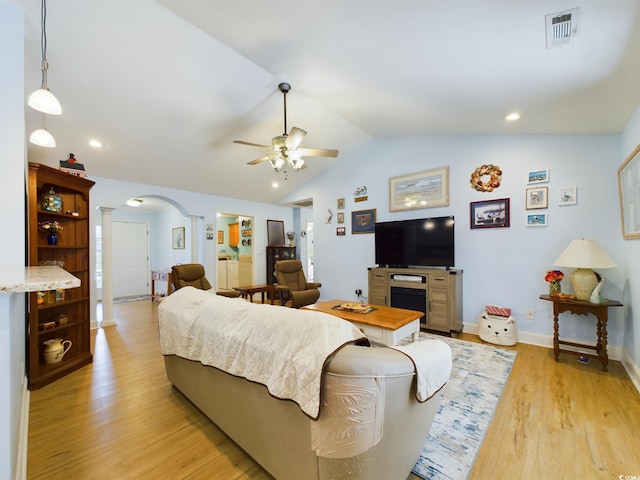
[[424, 242]]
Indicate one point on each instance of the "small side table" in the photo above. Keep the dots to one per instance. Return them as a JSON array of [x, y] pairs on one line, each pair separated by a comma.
[[579, 307]]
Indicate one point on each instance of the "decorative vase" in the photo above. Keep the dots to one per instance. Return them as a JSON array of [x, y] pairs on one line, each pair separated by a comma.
[[52, 239], [554, 288]]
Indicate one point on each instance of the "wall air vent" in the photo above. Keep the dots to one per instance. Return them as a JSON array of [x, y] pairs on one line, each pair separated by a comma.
[[561, 28]]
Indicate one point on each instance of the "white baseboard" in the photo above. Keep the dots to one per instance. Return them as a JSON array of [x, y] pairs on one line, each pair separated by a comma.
[[632, 369], [23, 440], [614, 352]]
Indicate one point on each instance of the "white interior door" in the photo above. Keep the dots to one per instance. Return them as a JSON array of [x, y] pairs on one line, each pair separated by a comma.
[[130, 259]]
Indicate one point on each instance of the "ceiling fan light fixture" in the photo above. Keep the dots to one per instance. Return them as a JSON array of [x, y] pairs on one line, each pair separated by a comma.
[[283, 154], [276, 161], [279, 142], [296, 163]]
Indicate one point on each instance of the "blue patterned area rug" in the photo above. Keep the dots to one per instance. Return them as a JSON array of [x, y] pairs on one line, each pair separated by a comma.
[[479, 375]]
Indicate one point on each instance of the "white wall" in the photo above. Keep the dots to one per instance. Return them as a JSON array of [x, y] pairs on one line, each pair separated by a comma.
[[12, 244], [631, 252], [501, 266]]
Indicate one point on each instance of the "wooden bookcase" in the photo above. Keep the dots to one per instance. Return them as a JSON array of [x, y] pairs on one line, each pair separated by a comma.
[[275, 253], [47, 310]]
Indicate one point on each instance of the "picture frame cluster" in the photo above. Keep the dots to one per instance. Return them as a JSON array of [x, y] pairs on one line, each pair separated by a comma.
[[537, 197]]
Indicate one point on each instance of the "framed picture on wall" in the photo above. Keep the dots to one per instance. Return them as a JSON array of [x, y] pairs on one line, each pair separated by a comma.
[[538, 176], [177, 238], [426, 189], [536, 219], [340, 217], [490, 213], [537, 197], [220, 236], [363, 221], [629, 190], [275, 233], [568, 196]]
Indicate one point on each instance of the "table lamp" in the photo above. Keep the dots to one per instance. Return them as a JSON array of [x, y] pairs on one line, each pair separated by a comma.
[[583, 255]]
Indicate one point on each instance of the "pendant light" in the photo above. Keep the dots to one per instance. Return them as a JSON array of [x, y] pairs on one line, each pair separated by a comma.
[[42, 99], [42, 137]]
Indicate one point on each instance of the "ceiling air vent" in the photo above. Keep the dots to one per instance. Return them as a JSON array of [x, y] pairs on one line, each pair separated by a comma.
[[561, 28]]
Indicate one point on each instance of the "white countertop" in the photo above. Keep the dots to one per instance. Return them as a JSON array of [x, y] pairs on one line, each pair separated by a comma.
[[33, 279]]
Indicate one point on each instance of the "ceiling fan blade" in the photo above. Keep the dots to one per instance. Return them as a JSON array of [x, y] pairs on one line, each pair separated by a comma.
[[294, 138], [242, 142], [263, 158], [317, 152]]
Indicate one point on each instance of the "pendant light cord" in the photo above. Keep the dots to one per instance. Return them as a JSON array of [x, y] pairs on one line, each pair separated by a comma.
[[43, 43]]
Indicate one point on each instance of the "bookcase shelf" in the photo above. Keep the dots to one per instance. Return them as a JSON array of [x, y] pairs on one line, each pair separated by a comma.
[[71, 253]]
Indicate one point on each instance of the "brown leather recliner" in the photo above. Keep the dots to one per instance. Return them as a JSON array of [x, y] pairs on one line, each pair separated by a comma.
[[192, 275], [292, 285]]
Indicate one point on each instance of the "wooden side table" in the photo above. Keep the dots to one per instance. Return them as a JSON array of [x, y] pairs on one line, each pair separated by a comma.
[[248, 291], [579, 307]]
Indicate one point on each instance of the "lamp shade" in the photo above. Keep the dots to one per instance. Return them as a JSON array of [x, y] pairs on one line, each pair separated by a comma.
[[42, 138], [44, 101], [584, 253]]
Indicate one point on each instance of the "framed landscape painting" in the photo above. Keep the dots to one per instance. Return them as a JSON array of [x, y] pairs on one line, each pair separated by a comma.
[[426, 189], [538, 176]]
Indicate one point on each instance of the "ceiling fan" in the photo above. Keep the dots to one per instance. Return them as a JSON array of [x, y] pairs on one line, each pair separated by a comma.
[[284, 150]]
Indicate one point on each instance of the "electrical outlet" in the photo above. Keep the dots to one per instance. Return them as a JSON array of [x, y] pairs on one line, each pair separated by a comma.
[[358, 292], [531, 314]]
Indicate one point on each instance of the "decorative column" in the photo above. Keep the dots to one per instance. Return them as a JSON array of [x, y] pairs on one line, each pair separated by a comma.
[[107, 269], [194, 239]]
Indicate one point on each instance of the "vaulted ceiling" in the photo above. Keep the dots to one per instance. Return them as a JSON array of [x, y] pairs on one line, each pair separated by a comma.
[[167, 85]]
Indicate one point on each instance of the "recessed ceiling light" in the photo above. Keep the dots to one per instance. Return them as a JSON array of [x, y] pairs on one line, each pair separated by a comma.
[[95, 143], [274, 184], [134, 202], [512, 116]]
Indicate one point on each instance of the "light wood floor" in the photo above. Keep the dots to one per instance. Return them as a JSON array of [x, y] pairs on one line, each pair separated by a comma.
[[120, 419]]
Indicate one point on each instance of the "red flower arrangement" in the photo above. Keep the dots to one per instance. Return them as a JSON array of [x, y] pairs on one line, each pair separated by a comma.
[[553, 276]]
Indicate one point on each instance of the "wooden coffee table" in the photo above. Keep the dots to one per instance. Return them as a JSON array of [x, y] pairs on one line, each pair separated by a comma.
[[386, 325]]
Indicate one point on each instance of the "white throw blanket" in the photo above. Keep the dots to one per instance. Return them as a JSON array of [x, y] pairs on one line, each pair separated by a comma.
[[432, 361], [282, 348]]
